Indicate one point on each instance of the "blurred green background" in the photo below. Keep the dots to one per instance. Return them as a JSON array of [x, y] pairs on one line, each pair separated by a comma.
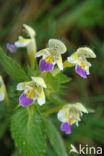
[[77, 23]]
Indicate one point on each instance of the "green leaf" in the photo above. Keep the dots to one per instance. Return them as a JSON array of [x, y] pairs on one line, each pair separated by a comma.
[[28, 132], [63, 78], [12, 67], [15, 153], [55, 83], [4, 119], [52, 83], [3, 126], [50, 151], [55, 138]]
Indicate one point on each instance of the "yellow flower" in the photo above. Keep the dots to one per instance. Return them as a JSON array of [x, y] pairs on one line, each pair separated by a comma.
[[33, 90], [71, 113], [30, 43], [51, 55], [79, 60], [3, 94]]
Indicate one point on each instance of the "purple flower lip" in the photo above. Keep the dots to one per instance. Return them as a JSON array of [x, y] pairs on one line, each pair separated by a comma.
[[25, 101], [66, 127], [80, 71], [11, 47], [45, 66]]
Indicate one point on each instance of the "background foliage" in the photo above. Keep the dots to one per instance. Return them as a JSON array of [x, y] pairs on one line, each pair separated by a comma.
[[77, 23]]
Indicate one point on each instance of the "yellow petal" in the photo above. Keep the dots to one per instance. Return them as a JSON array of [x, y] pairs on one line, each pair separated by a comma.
[[60, 64], [39, 81], [2, 96], [41, 98], [57, 45], [71, 121], [86, 52], [30, 31], [80, 107], [22, 85], [3, 93], [63, 114], [22, 42], [67, 64], [49, 59], [30, 93]]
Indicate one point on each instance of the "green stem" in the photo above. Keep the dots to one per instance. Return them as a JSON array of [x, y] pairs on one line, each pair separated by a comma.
[[32, 59], [52, 110], [55, 72], [66, 64], [7, 102], [17, 106], [31, 50]]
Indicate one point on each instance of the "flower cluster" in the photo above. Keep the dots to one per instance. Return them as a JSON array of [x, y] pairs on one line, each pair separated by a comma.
[[52, 55]]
